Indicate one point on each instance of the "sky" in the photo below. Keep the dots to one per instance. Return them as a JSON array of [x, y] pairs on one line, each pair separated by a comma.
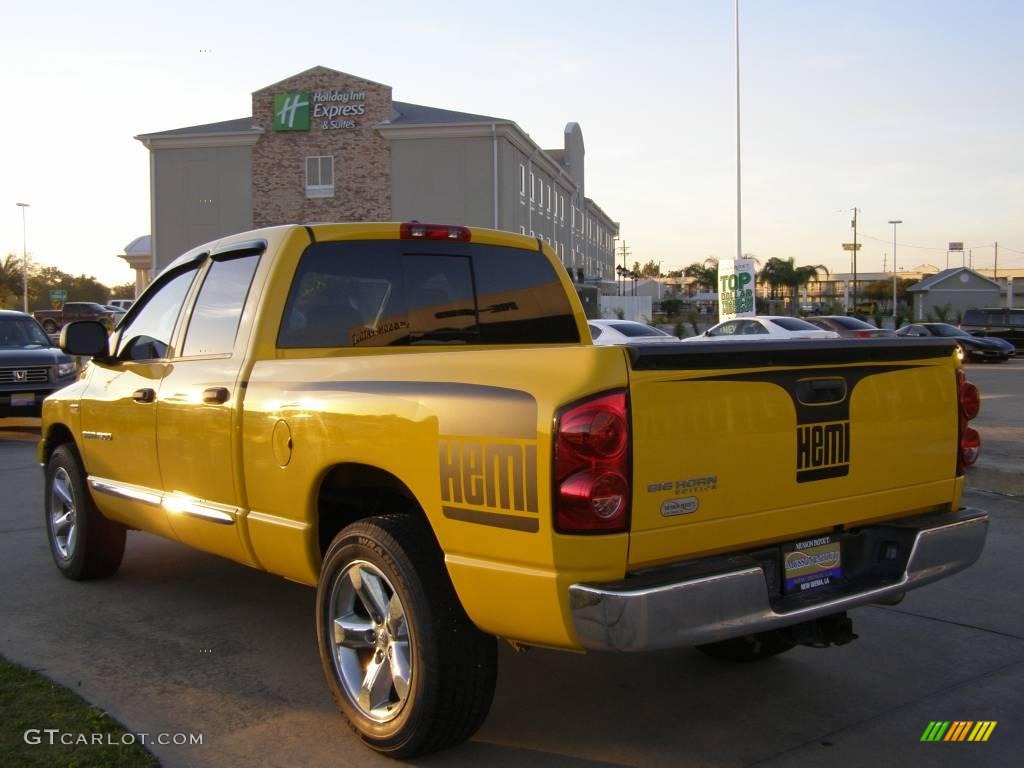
[[904, 109]]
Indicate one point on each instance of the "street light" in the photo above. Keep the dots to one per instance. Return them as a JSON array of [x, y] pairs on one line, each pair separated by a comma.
[[24, 256], [894, 222]]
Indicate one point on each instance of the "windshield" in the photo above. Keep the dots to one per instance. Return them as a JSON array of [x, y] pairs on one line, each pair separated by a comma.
[[946, 330], [20, 332]]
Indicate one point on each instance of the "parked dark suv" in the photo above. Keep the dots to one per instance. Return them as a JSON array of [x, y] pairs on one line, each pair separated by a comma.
[[30, 366], [1005, 323]]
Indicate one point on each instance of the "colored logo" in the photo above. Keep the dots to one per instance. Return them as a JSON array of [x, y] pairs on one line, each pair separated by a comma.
[[958, 730], [291, 111]]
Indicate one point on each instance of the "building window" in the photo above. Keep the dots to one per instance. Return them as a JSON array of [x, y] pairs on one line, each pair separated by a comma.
[[549, 197], [320, 176], [522, 179], [561, 207], [522, 230], [533, 186]]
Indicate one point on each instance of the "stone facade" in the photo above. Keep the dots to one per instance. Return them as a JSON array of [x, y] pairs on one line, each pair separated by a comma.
[[362, 157]]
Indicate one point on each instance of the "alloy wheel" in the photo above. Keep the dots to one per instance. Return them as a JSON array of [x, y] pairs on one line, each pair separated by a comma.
[[371, 641]]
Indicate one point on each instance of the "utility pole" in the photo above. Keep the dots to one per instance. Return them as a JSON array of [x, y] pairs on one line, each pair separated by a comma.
[[854, 225], [624, 250], [995, 269]]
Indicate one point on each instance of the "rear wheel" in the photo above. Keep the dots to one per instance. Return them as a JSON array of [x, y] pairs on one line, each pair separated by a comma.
[[762, 645], [84, 544], [402, 660]]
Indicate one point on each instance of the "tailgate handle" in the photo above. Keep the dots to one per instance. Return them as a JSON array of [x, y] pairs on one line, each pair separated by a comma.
[[821, 391]]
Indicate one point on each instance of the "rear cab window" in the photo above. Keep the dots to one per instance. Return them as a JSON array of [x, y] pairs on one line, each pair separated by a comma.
[[372, 293]]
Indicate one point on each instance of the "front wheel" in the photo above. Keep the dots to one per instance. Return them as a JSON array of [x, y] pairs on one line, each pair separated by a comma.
[[404, 663], [84, 544]]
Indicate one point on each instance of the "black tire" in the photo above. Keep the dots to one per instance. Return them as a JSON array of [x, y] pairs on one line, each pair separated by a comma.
[[84, 544], [762, 645], [450, 666]]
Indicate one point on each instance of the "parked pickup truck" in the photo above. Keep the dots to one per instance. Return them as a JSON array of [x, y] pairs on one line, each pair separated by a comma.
[[413, 420], [53, 320]]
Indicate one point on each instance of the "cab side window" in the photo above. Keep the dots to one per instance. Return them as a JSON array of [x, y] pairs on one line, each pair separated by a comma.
[[148, 333], [218, 309]]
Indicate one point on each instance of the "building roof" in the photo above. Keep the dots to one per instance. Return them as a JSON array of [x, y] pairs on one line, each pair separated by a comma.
[[317, 70], [140, 246], [239, 125], [407, 114], [417, 114], [930, 282]]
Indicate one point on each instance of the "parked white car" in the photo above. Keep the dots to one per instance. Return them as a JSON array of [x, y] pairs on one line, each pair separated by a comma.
[[763, 327], [609, 332]]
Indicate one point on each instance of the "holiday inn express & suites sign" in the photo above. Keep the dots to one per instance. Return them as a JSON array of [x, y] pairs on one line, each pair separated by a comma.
[[330, 109]]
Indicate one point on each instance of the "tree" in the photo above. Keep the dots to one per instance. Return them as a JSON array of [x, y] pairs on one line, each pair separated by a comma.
[[704, 274], [10, 281], [127, 291], [650, 269], [783, 275]]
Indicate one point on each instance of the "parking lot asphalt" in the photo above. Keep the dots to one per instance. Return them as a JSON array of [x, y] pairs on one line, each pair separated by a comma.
[[1000, 423], [183, 642]]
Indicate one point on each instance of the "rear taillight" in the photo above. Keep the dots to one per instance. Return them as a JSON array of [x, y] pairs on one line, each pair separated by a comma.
[[413, 230], [863, 334], [591, 466], [968, 439]]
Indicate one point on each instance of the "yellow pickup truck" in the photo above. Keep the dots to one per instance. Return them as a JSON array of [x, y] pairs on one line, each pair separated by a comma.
[[412, 419]]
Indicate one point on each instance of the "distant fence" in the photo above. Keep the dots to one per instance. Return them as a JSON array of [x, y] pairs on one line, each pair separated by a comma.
[[633, 307]]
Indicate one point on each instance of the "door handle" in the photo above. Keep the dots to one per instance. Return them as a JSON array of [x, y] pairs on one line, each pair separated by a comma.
[[216, 395], [146, 395]]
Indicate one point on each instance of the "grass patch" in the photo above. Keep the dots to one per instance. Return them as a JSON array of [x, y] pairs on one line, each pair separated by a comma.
[[31, 702]]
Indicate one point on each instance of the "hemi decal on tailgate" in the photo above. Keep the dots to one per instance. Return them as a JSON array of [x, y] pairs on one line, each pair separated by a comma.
[[822, 402]]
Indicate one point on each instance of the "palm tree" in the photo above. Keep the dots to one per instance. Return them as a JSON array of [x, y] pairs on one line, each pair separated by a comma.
[[805, 275], [783, 274], [705, 274], [777, 273]]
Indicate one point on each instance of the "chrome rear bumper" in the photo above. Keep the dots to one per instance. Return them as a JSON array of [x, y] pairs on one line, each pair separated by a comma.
[[708, 600]]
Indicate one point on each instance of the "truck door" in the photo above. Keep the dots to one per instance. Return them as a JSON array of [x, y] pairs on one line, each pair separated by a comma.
[[118, 408], [198, 409]]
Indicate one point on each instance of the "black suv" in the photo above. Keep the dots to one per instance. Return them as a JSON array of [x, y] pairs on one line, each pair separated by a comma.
[[30, 366], [1005, 323]]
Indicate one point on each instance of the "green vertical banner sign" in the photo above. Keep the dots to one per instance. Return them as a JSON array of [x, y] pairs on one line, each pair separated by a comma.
[[735, 288]]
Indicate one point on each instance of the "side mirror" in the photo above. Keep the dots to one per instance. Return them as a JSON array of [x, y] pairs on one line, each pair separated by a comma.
[[86, 338], [707, 332]]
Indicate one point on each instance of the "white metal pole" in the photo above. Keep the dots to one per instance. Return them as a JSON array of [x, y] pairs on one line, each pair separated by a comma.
[[739, 198], [894, 222], [24, 258]]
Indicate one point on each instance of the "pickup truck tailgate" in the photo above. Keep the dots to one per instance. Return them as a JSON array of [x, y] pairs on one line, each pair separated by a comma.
[[736, 444]]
